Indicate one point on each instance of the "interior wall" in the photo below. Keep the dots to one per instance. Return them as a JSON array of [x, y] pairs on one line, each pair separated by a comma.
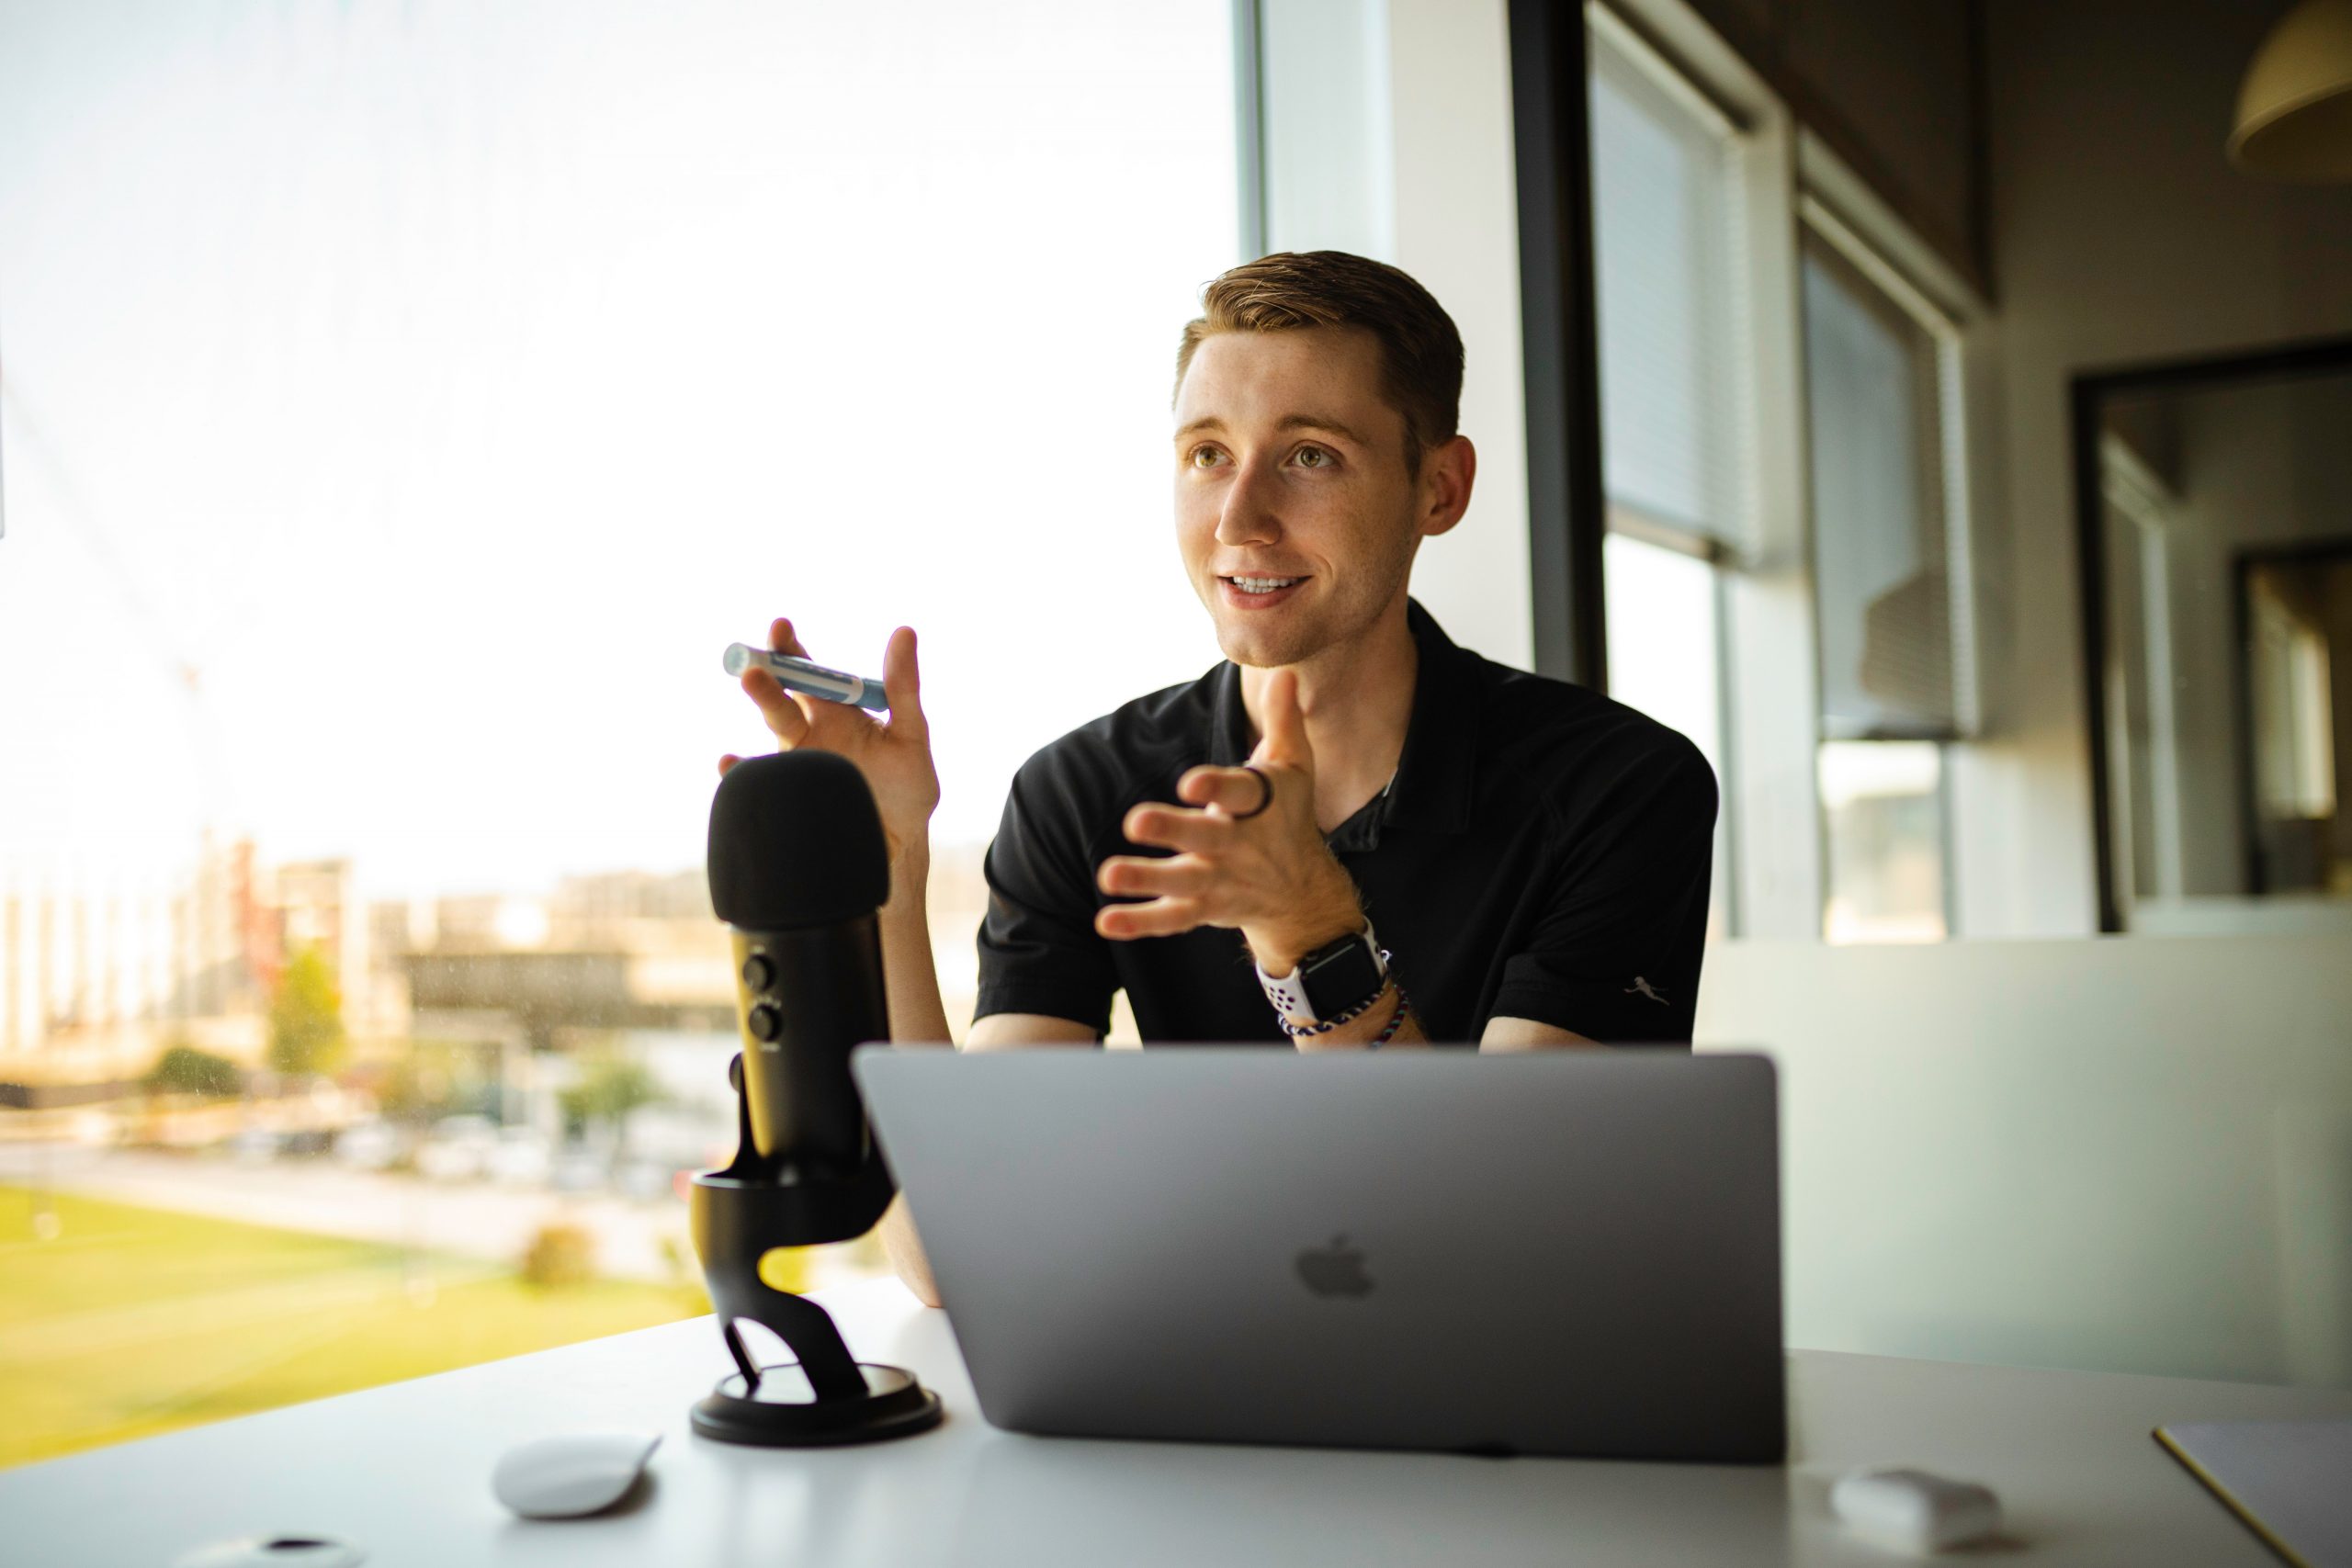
[[1457, 230], [1387, 131], [1891, 87], [2060, 1153], [2119, 234], [1328, 139]]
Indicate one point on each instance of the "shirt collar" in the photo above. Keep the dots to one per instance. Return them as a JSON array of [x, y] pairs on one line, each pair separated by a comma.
[[1432, 786]]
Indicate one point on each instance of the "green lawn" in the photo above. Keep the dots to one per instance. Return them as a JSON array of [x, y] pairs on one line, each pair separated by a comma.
[[129, 1322]]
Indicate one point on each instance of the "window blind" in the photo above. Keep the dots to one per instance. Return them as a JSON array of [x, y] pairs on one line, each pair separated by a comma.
[[1666, 217], [1881, 557]]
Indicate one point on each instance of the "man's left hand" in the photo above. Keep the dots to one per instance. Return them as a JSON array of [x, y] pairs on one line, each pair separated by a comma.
[[1268, 874]]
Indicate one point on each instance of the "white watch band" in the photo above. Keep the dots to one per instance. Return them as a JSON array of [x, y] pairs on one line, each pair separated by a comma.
[[1288, 992]]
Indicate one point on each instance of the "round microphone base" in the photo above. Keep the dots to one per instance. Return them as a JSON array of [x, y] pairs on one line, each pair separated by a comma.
[[782, 1412]]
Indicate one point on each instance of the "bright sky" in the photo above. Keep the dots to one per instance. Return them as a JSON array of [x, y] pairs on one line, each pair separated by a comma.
[[445, 385]]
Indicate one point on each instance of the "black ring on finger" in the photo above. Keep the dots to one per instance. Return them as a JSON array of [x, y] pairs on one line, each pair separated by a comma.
[[1265, 799]]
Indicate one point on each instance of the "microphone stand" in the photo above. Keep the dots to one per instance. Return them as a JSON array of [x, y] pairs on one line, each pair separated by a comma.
[[739, 1214]]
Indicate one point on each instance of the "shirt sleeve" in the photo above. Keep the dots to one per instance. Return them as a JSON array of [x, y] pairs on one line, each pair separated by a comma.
[[1039, 950], [1614, 954]]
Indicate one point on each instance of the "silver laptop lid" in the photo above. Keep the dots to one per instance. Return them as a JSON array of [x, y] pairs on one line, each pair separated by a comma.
[[1560, 1252]]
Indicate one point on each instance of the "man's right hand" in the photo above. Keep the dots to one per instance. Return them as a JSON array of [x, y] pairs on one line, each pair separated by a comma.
[[893, 754]]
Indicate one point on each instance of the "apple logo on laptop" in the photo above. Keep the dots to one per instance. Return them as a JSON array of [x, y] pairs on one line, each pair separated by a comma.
[[1335, 1270]]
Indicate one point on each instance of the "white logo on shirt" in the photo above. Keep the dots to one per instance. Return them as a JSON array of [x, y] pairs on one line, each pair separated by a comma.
[[1643, 987]]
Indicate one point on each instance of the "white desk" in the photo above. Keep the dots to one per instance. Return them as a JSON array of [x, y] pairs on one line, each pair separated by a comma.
[[405, 1472]]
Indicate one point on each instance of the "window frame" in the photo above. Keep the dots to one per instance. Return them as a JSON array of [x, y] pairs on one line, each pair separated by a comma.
[[1629, 48], [1768, 680], [1792, 182]]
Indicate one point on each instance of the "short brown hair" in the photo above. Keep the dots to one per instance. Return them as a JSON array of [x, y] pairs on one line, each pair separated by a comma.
[[1420, 352]]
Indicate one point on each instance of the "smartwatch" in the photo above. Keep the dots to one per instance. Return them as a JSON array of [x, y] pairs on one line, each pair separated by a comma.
[[1339, 978]]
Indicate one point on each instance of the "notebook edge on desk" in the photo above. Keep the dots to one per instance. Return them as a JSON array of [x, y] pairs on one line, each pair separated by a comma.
[[2230, 1500]]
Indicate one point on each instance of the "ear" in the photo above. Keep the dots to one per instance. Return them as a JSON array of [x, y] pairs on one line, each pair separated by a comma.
[[1448, 472]]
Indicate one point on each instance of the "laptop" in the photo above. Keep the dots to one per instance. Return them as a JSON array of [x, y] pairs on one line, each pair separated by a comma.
[[1572, 1253]]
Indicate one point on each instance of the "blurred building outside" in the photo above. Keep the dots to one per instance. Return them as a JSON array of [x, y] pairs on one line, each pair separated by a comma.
[[508, 1058]]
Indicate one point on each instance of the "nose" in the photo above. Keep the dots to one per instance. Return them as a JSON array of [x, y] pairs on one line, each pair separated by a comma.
[[1247, 515]]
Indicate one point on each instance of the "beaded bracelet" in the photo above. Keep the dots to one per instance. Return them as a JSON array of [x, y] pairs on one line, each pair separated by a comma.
[[1309, 1031]]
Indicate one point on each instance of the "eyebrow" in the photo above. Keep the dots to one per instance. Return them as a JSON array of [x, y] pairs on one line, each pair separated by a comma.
[[1288, 421]]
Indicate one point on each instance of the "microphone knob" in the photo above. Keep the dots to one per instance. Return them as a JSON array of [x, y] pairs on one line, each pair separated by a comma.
[[766, 1023], [759, 973]]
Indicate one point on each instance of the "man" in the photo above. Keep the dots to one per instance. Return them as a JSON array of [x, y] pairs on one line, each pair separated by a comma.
[[1352, 834]]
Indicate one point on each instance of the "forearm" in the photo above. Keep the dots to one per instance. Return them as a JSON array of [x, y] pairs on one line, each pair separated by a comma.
[[1502, 1036], [1505, 1034], [904, 1248], [917, 1016], [1335, 910]]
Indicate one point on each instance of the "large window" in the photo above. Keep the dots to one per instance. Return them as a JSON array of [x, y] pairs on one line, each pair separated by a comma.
[[1885, 830], [1672, 318], [403, 407], [1785, 569], [1890, 571]]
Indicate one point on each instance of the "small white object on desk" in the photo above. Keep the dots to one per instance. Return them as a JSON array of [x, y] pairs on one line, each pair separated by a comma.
[[1912, 1510], [571, 1473]]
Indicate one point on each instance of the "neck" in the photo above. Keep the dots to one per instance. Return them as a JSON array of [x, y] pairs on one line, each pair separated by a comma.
[[1358, 700]]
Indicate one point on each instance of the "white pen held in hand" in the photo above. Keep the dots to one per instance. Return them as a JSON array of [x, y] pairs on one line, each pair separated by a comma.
[[800, 676]]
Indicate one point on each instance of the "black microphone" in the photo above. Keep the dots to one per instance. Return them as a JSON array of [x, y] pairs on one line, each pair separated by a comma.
[[799, 868]]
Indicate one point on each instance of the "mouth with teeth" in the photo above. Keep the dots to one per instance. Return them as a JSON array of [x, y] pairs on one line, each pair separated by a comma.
[[1256, 593]]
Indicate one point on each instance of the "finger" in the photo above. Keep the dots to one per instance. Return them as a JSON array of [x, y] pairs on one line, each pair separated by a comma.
[[1134, 875], [787, 720], [1285, 732], [903, 682], [1161, 917], [781, 639], [1237, 792], [1173, 828]]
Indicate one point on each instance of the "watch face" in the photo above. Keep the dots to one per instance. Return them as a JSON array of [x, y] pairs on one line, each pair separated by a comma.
[[1339, 977]]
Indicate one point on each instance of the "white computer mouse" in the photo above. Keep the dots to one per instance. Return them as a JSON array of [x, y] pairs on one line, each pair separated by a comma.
[[1915, 1510], [571, 1472]]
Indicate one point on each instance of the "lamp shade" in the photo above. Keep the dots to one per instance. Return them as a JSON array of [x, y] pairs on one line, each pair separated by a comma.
[[2294, 119]]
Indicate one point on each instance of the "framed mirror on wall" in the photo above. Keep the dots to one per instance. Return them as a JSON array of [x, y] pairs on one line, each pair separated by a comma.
[[2214, 516]]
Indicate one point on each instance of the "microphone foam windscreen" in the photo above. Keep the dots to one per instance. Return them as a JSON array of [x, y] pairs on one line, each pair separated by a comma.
[[796, 842]]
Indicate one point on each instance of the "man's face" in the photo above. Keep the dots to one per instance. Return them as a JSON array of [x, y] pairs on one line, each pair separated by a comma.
[[1294, 513]]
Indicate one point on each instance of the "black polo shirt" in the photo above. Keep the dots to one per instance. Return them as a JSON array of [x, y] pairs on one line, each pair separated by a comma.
[[1542, 852]]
